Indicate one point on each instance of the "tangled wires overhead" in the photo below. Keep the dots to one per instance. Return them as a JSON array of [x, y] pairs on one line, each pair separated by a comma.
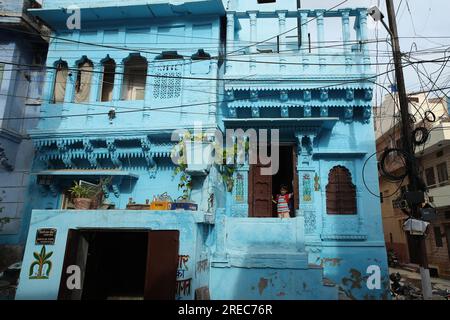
[[420, 136]]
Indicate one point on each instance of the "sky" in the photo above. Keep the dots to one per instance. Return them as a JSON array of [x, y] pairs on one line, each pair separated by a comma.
[[418, 22]]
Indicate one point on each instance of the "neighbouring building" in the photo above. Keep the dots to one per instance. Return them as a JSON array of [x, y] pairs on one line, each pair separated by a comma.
[[434, 159], [23, 50], [118, 88]]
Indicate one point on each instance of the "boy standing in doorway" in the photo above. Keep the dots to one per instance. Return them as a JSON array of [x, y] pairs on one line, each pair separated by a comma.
[[282, 201]]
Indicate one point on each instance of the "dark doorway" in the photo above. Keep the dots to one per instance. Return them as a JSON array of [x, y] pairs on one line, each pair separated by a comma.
[[263, 187], [285, 176], [122, 265], [116, 265]]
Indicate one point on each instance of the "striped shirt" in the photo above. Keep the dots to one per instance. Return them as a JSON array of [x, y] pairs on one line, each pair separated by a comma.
[[283, 203]]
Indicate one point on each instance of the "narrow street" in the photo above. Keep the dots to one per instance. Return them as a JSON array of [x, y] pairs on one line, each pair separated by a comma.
[[413, 278]]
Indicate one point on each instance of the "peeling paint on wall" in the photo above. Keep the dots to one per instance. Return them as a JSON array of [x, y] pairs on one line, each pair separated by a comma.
[[333, 262], [262, 285]]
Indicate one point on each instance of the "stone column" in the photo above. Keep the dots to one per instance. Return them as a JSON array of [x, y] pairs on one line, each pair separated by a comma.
[[69, 94], [282, 38], [309, 191], [230, 38], [240, 191], [321, 38], [346, 37], [148, 92], [363, 33], [117, 90], [96, 83], [304, 45], [253, 30], [282, 29]]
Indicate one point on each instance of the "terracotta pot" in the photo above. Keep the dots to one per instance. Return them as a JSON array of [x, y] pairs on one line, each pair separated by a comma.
[[82, 203], [94, 204]]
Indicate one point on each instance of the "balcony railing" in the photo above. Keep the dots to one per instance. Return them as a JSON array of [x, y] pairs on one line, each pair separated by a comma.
[[278, 54]]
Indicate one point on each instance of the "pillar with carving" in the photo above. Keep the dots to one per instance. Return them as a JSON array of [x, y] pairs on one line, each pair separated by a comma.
[[253, 15], [230, 37], [321, 38], [94, 92], [304, 45], [309, 189], [363, 38], [346, 38], [282, 38], [148, 93]]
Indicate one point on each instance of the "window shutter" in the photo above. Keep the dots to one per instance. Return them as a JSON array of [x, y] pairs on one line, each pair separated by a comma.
[[340, 192]]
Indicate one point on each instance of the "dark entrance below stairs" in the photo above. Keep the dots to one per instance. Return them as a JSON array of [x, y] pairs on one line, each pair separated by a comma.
[[119, 264]]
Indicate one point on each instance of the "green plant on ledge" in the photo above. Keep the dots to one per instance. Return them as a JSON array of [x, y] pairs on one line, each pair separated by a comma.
[[81, 191], [226, 168], [179, 152]]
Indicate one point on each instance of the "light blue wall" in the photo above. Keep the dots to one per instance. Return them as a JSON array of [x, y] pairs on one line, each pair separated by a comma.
[[191, 241], [19, 83], [328, 105]]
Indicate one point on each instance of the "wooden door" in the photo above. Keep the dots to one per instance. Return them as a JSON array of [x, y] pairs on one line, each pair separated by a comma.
[[295, 178], [162, 261], [260, 193]]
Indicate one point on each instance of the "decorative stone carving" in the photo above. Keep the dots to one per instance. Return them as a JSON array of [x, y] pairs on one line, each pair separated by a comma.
[[324, 111], [285, 112], [323, 95], [116, 190], [284, 96], [368, 94], [349, 95], [92, 158], [112, 148], [255, 112], [230, 95], [310, 222], [307, 95], [253, 95], [67, 160], [105, 190], [367, 113], [307, 111], [348, 114]]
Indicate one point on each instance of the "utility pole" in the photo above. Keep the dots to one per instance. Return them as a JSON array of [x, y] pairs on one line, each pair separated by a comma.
[[407, 145], [299, 24]]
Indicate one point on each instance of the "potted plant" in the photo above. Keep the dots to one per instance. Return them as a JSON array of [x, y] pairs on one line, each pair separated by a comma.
[[82, 196], [195, 153]]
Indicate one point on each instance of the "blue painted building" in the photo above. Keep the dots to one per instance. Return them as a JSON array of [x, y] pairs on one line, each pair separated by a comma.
[[22, 53], [118, 88]]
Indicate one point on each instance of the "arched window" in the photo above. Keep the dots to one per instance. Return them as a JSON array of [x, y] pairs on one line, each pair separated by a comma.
[[341, 192], [59, 85], [85, 69], [107, 84], [134, 79]]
